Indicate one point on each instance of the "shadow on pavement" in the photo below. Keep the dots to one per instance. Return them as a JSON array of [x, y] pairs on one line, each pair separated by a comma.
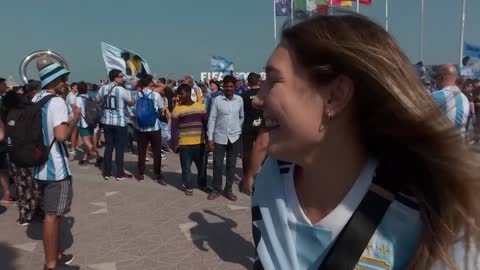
[[35, 232], [7, 257], [219, 237], [3, 209]]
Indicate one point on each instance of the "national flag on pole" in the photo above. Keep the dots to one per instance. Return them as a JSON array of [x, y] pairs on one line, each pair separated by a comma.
[[220, 64], [303, 8], [366, 2], [130, 63], [282, 7]]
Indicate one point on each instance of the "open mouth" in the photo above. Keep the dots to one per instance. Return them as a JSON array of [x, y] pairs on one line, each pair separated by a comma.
[[271, 124]]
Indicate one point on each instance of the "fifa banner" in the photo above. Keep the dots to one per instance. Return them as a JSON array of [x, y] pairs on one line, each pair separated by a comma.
[[218, 76], [470, 61], [130, 63]]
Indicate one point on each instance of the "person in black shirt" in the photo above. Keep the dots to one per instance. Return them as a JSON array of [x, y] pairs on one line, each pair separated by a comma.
[[169, 94], [253, 119]]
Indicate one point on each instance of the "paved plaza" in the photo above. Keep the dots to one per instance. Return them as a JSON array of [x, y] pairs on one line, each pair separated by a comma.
[[128, 225]]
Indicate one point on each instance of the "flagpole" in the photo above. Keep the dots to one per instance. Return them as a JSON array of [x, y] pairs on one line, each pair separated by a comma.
[[422, 10], [358, 6], [274, 21], [291, 12], [462, 31], [386, 15]]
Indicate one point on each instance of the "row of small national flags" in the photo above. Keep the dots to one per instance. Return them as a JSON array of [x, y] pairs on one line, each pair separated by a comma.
[[283, 7]]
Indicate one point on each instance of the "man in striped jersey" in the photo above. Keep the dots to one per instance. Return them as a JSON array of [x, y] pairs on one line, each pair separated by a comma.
[[54, 177], [449, 97], [114, 99]]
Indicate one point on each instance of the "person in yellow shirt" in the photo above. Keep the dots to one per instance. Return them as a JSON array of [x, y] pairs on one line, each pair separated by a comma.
[[189, 125]]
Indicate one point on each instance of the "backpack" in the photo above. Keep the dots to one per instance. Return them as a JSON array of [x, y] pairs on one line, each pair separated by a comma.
[[24, 134], [93, 111], [145, 111]]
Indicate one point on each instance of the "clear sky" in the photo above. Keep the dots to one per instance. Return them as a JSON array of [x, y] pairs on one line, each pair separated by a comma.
[[178, 37]]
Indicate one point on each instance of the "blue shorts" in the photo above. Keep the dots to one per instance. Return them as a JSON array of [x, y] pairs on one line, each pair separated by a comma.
[[86, 132]]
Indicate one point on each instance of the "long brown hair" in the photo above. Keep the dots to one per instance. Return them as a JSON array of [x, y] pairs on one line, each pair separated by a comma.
[[399, 123]]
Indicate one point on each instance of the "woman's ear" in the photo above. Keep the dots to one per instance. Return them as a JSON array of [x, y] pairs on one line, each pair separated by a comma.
[[339, 95]]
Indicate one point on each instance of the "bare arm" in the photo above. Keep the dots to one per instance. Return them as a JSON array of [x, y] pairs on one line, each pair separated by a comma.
[[258, 155]]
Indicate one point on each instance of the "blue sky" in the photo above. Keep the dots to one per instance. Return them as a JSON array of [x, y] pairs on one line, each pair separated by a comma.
[[178, 37]]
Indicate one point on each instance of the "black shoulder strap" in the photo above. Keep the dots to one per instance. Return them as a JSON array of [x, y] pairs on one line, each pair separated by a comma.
[[353, 239], [44, 100]]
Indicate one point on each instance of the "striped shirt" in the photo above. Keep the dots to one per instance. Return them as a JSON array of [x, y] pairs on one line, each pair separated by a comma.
[[455, 104], [189, 124], [286, 239], [157, 103], [71, 99], [54, 113], [80, 103], [113, 113]]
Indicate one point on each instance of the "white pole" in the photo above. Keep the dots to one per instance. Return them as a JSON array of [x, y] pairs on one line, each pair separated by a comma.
[[422, 10], [462, 31], [274, 21], [291, 11], [386, 15], [358, 6], [330, 8]]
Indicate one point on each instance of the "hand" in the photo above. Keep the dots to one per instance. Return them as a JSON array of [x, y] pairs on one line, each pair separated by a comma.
[[211, 146], [246, 185]]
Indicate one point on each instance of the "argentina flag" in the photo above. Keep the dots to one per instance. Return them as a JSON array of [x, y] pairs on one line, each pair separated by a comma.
[[220, 64], [130, 63]]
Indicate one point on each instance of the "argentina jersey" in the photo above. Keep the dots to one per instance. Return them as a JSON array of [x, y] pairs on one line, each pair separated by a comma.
[[455, 104], [286, 239], [54, 113], [71, 99], [113, 112], [157, 103], [80, 103]]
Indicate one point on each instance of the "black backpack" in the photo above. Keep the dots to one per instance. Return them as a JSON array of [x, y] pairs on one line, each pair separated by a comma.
[[24, 134], [93, 111]]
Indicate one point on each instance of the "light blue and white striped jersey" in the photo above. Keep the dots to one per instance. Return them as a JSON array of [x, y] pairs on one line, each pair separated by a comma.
[[80, 103], [285, 238], [54, 113], [157, 103], [113, 113], [455, 104], [71, 99]]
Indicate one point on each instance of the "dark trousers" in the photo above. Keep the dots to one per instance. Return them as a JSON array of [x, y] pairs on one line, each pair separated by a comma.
[[115, 137], [232, 150], [248, 139], [143, 139], [195, 154]]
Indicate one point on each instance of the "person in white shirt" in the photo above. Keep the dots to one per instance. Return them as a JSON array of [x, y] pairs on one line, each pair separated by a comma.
[[54, 178], [71, 98], [115, 98], [149, 134], [85, 131]]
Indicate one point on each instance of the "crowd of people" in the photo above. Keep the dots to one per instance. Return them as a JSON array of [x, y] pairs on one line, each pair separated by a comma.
[[349, 137], [192, 119]]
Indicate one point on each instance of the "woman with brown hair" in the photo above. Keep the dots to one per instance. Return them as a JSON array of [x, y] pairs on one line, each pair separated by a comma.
[[364, 171]]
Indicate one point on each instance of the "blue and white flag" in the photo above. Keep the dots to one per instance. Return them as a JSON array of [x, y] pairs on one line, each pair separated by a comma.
[[220, 64], [471, 61], [130, 63]]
